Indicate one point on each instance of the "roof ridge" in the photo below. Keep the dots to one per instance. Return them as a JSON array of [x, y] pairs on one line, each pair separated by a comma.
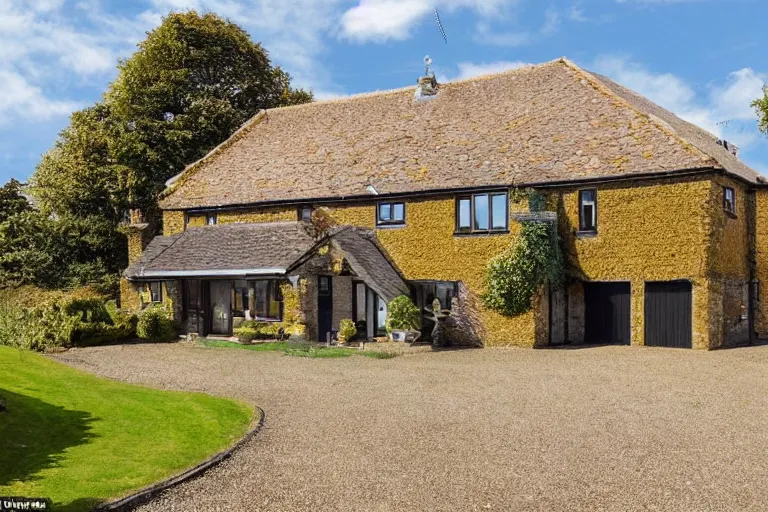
[[384, 92], [601, 87]]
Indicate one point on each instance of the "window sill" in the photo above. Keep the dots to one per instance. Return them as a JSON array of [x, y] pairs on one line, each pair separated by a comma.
[[586, 234], [480, 233], [390, 226], [730, 214]]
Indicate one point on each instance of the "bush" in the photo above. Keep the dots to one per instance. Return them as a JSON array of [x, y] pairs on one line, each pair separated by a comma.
[[347, 330], [402, 314], [255, 330], [36, 319], [155, 325]]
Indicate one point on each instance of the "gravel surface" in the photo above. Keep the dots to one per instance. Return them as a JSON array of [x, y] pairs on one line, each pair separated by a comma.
[[609, 428]]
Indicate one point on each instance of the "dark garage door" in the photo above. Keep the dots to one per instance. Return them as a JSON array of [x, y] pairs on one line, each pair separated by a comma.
[[607, 307], [668, 314]]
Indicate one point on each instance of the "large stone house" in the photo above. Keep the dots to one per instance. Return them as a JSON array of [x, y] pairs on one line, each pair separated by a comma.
[[314, 213]]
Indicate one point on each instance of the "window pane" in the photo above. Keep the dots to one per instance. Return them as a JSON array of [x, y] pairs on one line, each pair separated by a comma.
[[323, 285], [211, 219], [588, 217], [464, 213], [385, 211], [481, 212], [192, 294], [499, 211], [155, 291], [587, 196], [276, 299], [398, 212], [260, 298], [359, 302], [445, 294], [381, 315], [306, 213]]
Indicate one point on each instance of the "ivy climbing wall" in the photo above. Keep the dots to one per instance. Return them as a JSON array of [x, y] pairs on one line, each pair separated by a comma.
[[647, 231]]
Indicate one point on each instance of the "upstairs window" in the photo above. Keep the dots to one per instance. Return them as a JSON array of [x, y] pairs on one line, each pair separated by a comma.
[[156, 291], [588, 210], [211, 219], [390, 214], [482, 213], [729, 200], [305, 213]]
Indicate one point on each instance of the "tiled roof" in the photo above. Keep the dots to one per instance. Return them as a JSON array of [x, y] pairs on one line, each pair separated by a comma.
[[229, 249], [367, 259], [233, 250], [545, 123]]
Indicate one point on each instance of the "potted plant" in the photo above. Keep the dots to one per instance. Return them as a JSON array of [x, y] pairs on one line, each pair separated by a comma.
[[347, 331], [402, 317]]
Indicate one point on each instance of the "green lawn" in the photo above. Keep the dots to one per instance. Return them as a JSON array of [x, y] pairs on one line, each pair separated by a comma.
[[301, 350], [79, 439]]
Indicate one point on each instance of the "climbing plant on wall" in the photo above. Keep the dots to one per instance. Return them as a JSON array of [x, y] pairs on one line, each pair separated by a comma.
[[513, 276]]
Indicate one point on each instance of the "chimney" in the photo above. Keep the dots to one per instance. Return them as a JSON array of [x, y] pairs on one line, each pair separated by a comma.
[[427, 87], [138, 234]]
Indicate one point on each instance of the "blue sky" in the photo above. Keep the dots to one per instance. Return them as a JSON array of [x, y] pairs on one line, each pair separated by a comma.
[[702, 59]]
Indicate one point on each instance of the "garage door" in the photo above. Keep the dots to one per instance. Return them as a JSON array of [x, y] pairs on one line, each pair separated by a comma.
[[607, 308], [668, 314]]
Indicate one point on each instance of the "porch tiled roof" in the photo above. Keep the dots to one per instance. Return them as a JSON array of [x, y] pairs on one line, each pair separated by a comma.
[[547, 123], [231, 249], [369, 262]]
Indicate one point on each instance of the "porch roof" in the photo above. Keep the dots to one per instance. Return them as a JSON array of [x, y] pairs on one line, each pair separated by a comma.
[[369, 261], [232, 250]]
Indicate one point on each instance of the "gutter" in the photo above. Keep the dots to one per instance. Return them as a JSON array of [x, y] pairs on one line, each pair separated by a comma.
[[443, 191], [160, 274]]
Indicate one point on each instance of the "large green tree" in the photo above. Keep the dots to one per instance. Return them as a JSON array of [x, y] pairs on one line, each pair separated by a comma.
[[193, 81], [761, 106]]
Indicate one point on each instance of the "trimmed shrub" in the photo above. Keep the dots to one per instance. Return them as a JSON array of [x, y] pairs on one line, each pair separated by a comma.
[[347, 330], [255, 330], [402, 314], [155, 325]]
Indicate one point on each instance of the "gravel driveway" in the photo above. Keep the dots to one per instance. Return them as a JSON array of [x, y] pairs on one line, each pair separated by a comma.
[[609, 428]]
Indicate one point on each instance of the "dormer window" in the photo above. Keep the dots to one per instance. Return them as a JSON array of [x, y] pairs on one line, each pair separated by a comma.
[[729, 200]]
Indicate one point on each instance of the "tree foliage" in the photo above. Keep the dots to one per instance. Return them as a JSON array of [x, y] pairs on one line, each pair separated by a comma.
[[513, 277], [191, 84], [761, 106]]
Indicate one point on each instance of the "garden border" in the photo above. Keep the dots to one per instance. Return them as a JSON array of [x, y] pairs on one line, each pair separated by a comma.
[[147, 493]]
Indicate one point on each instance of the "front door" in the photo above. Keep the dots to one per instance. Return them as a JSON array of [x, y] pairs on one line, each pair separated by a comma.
[[324, 307], [221, 294]]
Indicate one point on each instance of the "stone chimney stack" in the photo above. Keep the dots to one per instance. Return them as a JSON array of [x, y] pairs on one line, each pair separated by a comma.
[[138, 234], [427, 84]]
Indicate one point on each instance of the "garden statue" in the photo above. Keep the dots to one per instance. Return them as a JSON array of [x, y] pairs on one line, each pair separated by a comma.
[[440, 317]]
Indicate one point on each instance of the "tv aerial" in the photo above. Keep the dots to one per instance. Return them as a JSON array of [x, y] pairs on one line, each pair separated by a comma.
[[440, 26]]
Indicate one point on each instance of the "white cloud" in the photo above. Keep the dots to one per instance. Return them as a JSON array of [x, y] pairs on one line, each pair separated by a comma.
[[723, 109], [382, 20], [21, 100]]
